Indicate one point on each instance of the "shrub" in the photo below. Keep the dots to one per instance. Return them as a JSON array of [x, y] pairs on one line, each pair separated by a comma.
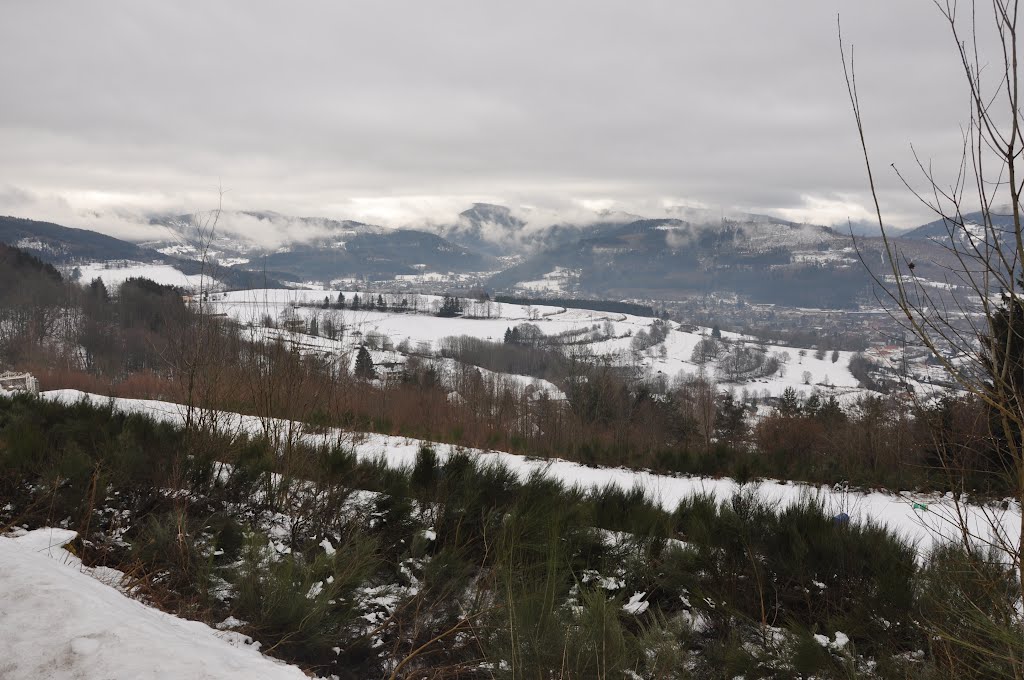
[[970, 603], [302, 606]]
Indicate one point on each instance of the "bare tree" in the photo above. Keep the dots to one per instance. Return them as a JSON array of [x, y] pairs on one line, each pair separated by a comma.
[[705, 350], [698, 400], [192, 358], [977, 337]]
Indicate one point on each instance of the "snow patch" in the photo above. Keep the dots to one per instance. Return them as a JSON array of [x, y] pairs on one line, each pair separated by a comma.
[[61, 624], [637, 604]]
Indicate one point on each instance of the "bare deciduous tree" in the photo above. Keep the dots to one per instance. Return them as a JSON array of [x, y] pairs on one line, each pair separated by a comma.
[[978, 334]]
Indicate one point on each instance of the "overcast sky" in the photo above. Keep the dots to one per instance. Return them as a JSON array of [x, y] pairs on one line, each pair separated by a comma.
[[403, 112]]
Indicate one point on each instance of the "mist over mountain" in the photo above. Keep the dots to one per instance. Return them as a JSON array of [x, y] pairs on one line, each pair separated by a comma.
[[604, 254], [314, 248], [498, 230], [755, 257], [60, 245], [869, 228], [767, 261], [486, 227], [243, 232]]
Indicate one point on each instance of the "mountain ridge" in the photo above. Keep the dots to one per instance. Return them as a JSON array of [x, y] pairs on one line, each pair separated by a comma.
[[755, 257], [59, 245]]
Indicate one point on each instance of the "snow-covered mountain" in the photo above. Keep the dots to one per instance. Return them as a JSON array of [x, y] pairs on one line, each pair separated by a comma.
[[765, 260], [240, 234], [496, 230], [71, 248], [756, 257], [601, 254], [313, 247], [940, 229]]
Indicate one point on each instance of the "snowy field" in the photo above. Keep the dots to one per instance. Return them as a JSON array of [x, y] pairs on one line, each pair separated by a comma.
[[114, 274], [923, 527], [60, 621], [559, 280], [610, 336], [422, 332]]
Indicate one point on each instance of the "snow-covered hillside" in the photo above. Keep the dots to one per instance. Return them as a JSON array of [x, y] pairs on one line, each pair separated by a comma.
[[609, 336], [115, 273], [902, 512]]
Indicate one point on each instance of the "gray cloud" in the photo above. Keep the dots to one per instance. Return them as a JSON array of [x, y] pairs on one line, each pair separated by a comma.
[[407, 112]]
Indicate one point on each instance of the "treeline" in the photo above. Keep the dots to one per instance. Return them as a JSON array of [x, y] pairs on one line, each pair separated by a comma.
[[512, 356], [885, 442], [49, 323], [447, 306], [613, 306]]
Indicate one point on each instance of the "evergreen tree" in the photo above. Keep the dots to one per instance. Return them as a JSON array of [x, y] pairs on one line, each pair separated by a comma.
[[355, 300], [1003, 360], [789, 403], [341, 301], [98, 290], [450, 306], [364, 365], [380, 303], [813, 405], [508, 336], [831, 411], [730, 425]]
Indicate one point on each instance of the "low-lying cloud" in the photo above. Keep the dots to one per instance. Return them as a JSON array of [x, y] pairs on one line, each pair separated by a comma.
[[407, 113], [531, 223]]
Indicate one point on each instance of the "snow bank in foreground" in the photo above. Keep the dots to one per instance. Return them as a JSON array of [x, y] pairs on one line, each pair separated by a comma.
[[57, 622], [924, 519]]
